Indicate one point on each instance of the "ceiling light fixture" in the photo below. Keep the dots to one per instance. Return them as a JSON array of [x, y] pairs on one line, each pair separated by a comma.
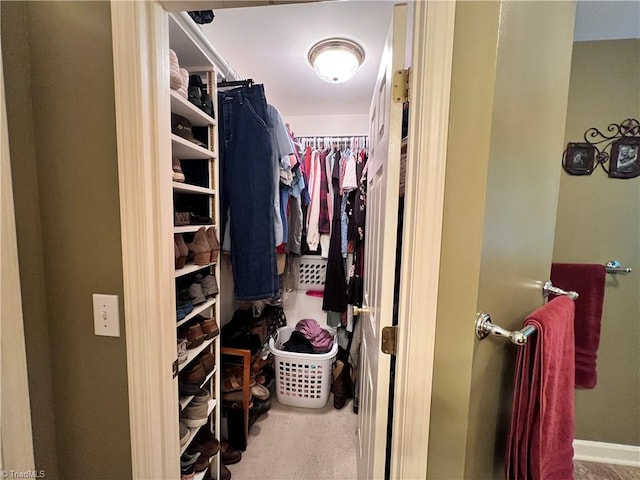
[[336, 60]]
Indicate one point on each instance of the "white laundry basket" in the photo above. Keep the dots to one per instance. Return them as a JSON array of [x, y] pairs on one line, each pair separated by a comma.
[[302, 379]]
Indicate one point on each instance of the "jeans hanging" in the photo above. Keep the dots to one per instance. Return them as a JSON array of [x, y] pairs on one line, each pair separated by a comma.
[[246, 197]]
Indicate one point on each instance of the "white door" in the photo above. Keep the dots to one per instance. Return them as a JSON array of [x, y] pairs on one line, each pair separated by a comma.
[[383, 179]]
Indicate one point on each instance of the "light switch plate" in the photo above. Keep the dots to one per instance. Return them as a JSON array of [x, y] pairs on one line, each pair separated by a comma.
[[106, 320]]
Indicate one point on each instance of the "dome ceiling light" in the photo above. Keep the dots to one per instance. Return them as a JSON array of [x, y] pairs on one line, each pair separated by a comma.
[[336, 60]]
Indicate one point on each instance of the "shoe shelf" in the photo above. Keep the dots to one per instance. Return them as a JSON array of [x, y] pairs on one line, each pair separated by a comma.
[[184, 107], [185, 400], [199, 196], [184, 149], [187, 188], [191, 268], [194, 431], [193, 353], [191, 228], [196, 310]]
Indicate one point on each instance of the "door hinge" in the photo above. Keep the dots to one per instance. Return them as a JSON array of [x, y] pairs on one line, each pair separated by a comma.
[[400, 92], [389, 335], [174, 368]]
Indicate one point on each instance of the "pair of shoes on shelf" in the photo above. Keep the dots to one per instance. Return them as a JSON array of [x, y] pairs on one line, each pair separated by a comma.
[[195, 415], [193, 334], [201, 248], [182, 251], [199, 96], [191, 378], [183, 304], [209, 326], [209, 284], [176, 171], [232, 378], [205, 246], [260, 392], [234, 400], [205, 443], [208, 362], [196, 293], [185, 434]]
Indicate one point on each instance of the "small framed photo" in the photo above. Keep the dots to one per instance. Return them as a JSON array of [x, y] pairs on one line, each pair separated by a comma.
[[625, 158], [579, 158]]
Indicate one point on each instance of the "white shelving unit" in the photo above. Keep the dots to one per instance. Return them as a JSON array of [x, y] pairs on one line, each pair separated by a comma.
[[197, 195], [190, 268]]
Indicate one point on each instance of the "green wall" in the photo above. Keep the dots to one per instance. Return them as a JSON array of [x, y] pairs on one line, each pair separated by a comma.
[[60, 101], [599, 220]]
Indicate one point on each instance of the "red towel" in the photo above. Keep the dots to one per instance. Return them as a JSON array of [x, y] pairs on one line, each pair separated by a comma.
[[588, 281], [540, 443]]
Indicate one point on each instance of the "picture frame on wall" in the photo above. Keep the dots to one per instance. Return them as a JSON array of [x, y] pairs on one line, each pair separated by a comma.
[[625, 158], [579, 158]]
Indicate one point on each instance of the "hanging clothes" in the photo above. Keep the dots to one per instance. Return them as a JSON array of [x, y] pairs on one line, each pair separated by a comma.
[[246, 199]]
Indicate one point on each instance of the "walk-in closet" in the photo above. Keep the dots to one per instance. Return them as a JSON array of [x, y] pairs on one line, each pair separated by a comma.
[[269, 173]]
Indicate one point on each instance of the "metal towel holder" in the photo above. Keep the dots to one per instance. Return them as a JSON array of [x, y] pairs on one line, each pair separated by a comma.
[[485, 327], [613, 267]]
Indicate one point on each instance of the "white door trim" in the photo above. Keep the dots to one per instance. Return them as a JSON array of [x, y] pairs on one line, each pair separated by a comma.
[[16, 440], [430, 89], [141, 74]]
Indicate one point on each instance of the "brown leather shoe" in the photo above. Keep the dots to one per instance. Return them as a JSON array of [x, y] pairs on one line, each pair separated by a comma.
[[208, 362], [205, 443], [229, 454], [210, 327], [183, 250], [213, 243], [225, 473], [200, 248], [194, 335], [194, 375]]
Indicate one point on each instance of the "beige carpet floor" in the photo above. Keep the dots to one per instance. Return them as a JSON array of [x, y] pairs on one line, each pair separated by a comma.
[[290, 443]]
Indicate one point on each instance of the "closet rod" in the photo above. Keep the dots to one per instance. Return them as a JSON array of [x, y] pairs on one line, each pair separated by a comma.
[[237, 83]]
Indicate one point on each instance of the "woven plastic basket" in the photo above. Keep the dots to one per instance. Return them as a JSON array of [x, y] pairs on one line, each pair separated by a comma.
[[302, 380], [312, 273]]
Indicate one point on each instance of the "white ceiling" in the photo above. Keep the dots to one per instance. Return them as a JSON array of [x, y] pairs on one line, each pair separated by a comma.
[[270, 45]]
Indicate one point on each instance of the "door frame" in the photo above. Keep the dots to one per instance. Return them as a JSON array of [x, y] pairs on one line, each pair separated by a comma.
[[429, 94], [138, 28]]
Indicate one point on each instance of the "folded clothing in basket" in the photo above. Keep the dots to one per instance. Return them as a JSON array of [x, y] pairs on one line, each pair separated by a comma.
[[320, 339]]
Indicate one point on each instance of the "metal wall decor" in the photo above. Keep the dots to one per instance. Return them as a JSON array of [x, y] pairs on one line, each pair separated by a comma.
[[619, 147]]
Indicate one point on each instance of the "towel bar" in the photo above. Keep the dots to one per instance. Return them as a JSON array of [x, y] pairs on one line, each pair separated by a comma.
[[549, 288], [484, 328], [613, 266]]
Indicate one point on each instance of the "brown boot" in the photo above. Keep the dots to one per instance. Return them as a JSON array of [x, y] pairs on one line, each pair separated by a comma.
[[183, 250], [200, 248], [341, 386], [213, 243]]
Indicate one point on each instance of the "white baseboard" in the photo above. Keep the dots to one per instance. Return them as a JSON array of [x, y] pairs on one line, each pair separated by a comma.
[[601, 452]]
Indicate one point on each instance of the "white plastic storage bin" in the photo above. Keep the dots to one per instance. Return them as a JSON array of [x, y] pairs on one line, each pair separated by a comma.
[[312, 273], [302, 379]]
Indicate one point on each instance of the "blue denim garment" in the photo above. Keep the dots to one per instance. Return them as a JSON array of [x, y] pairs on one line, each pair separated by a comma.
[[247, 191]]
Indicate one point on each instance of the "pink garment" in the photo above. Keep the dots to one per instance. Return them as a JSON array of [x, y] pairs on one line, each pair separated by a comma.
[[540, 442], [313, 218], [588, 280], [321, 340]]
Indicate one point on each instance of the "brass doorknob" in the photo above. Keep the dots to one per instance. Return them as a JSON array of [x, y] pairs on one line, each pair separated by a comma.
[[358, 310]]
